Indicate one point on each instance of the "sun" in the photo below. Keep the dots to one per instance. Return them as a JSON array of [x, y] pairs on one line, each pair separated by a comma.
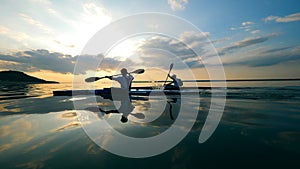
[[123, 49]]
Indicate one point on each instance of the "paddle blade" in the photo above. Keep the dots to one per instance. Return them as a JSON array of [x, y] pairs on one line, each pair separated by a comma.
[[171, 66], [138, 115], [139, 71], [92, 79]]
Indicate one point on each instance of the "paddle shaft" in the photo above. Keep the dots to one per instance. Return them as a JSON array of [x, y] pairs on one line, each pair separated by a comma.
[[93, 79], [171, 66], [136, 71]]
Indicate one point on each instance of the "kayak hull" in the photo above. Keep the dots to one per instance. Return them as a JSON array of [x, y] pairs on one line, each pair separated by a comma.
[[108, 92]]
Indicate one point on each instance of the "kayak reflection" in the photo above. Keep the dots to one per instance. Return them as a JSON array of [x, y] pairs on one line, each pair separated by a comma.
[[125, 109], [144, 109]]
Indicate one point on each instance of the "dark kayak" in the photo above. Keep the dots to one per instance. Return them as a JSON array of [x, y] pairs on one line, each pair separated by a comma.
[[139, 91]]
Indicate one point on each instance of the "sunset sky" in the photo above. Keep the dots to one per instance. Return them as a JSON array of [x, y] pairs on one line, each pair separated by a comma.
[[254, 39]]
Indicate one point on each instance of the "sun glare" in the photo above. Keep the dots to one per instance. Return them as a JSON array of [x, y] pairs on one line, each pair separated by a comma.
[[123, 50]]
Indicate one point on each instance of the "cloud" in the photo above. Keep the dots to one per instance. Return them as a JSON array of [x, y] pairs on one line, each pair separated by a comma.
[[177, 5], [158, 51], [270, 60], [65, 45], [289, 18], [4, 30], [110, 64], [245, 43], [272, 51], [41, 59], [247, 23], [191, 49], [247, 26], [18, 36], [266, 57], [194, 39], [35, 23], [49, 25], [95, 12], [36, 60], [47, 2], [233, 28], [255, 31]]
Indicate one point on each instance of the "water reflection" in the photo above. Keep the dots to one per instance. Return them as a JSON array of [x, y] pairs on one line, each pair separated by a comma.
[[171, 109], [15, 90], [140, 110], [166, 117], [36, 132]]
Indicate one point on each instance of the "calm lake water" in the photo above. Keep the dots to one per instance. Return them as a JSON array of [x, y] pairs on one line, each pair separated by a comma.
[[260, 128]]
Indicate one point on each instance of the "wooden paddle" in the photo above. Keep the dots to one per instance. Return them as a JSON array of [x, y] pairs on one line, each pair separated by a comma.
[[171, 66], [93, 79]]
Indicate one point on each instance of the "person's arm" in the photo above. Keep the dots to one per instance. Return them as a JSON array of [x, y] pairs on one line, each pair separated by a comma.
[[171, 77], [109, 77], [170, 83], [130, 82]]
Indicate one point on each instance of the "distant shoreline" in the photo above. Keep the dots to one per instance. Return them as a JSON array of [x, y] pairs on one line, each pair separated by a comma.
[[227, 80], [11, 76], [47, 82]]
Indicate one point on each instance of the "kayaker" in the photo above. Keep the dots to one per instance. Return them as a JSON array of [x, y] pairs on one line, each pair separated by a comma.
[[125, 79], [122, 93], [175, 81]]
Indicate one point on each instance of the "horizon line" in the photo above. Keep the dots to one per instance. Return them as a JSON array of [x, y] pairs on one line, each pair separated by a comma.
[[226, 80]]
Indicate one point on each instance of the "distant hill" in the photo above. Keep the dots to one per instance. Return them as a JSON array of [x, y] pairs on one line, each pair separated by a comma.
[[15, 76]]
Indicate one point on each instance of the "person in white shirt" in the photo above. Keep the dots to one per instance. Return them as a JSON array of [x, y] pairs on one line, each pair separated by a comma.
[[125, 79], [175, 81]]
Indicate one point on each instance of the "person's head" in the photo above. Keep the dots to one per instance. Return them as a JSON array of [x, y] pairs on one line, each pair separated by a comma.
[[124, 119], [124, 71], [174, 76]]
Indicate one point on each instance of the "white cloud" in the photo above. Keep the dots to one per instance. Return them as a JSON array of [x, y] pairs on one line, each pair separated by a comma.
[[95, 13], [91, 19], [4, 30], [47, 2], [61, 16], [233, 28], [177, 4], [18, 36], [255, 31], [247, 23], [289, 18], [51, 25], [270, 18], [35, 23], [63, 44], [193, 35], [194, 39]]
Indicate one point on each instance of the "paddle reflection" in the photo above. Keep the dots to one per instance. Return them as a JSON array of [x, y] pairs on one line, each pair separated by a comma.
[[154, 110], [171, 102], [125, 109]]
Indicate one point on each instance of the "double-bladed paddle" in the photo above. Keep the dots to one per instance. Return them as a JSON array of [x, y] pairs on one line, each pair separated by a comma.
[[93, 79]]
